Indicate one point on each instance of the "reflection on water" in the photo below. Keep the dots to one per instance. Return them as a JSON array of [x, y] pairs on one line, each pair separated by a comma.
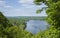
[[34, 26]]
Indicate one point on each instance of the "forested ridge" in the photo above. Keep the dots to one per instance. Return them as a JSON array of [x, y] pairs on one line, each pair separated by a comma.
[[8, 30]]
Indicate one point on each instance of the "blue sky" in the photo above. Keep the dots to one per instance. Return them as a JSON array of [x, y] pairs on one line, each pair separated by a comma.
[[20, 8]]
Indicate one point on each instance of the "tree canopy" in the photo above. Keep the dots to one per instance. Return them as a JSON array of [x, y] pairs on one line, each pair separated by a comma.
[[52, 10], [53, 18]]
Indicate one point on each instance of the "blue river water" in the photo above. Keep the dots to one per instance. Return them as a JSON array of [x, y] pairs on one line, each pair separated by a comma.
[[35, 26]]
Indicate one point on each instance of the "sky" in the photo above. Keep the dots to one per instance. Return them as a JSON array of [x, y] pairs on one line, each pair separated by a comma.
[[20, 8]]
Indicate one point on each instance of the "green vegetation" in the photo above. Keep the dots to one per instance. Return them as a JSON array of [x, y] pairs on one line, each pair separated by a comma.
[[52, 10], [16, 28], [8, 30]]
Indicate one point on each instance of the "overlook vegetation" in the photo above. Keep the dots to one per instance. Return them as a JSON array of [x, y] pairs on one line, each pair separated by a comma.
[[13, 27], [9, 29], [52, 10]]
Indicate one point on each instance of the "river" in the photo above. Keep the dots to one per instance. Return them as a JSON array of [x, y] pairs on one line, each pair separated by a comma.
[[35, 26]]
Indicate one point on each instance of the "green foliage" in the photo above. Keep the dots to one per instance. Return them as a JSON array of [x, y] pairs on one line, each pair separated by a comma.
[[52, 32], [4, 21], [39, 11], [53, 12], [8, 30]]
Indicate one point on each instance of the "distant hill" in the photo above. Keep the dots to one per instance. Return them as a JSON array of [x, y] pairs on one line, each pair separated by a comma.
[[29, 17]]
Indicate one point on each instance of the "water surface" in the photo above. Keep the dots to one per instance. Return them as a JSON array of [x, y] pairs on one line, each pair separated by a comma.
[[35, 26]]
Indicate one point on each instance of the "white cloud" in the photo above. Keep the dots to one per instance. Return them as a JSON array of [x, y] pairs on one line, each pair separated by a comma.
[[25, 1], [4, 4], [23, 11], [29, 3], [8, 6]]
